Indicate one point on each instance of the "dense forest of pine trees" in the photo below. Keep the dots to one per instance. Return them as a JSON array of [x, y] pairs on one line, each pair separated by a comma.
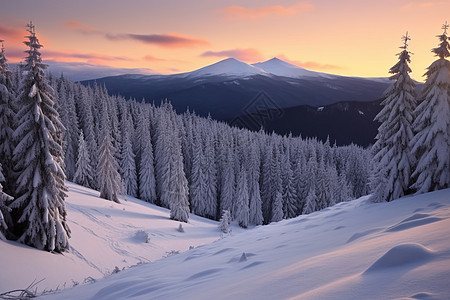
[[52, 129]]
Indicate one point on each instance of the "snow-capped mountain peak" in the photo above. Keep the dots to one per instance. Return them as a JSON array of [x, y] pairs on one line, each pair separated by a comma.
[[227, 67], [279, 67]]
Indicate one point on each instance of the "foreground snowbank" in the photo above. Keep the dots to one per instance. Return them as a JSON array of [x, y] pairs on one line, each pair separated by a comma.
[[105, 235], [354, 250]]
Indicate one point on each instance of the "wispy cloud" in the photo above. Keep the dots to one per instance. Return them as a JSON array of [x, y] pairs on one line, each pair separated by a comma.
[[311, 65], [152, 58], [241, 12], [80, 27], [16, 54], [57, 55], [168, 40], [248, 55]]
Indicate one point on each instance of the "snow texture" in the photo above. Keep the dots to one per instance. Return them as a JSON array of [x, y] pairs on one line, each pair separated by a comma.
[[309, 257]]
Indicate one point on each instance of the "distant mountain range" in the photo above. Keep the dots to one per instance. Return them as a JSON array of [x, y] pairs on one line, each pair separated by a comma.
[[231, 90]]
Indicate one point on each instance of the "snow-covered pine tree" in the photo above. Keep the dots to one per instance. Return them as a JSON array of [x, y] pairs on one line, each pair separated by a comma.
[[342, 192], [38, 209], [147, 188], [228, 182], [431, 143], [210, 169], [67, 112], [289, 191], [198, 178], [242, 201], [178, 192], [322, 186], [310, 205], [4, 210], [392, 153], [162, 155], [6, 120], [127, 156], [87, 124], [225, 220], [358, 170], [109, 180], [265, 181], [255, 207], [83, 174], [277, 208]]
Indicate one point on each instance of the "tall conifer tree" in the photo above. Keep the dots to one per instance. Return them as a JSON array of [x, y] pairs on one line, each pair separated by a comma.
[[431, 144], [392, 150], [39, 209]]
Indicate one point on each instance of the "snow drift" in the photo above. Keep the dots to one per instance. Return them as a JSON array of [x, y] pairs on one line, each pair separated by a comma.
[[354, 250]]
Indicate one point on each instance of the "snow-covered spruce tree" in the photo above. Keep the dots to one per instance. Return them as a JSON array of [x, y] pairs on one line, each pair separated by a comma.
[[225, 220], [109, 179], [4, 210], [277, 208], [431, 143], [198, 181], [83, 174], [178, 192], [147, 188], [255, 206], [242, 201], [289, 191], [228, 182], [6, 120], [162, 156], [127, 157], [210, 197], [392, 153], [310, 205], [39, 213], [67, 112]]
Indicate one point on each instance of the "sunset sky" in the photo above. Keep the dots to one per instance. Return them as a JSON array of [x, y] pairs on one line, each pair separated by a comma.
[[349, 37]]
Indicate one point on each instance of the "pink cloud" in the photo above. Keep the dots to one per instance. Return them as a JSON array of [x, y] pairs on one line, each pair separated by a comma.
[[248, 55], [168, 40], [84, 56], [152, 58], [11, 34], [237, 11], [80, 27], [310, 65]]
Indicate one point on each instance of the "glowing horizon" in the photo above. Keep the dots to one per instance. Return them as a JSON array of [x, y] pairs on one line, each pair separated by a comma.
[[350, 38]]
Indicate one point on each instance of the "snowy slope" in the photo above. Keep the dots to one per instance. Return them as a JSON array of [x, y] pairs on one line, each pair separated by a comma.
[[354, 250], [104, 235], [228, 67], [279, 67]]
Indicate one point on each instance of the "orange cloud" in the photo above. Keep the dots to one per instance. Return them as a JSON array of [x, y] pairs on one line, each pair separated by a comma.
[[241, 12], [310, 65], [83, 28], [248, 55]]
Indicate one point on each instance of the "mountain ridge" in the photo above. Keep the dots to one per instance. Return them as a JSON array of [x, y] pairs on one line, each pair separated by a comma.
[[230, 89]]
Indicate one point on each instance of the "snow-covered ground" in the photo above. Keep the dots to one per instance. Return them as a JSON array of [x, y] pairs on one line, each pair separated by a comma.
[[104, 235], [354, 250]]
